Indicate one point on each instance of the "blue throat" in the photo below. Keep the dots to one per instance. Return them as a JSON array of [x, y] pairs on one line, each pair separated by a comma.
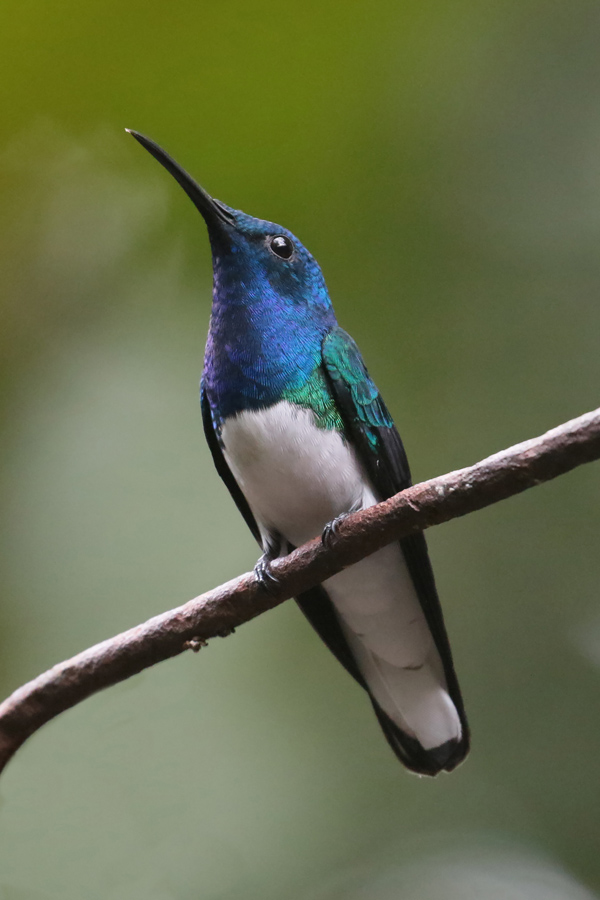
[[268, 321]]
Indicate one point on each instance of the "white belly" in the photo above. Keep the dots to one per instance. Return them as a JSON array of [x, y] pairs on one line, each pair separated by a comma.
[[297, 477]]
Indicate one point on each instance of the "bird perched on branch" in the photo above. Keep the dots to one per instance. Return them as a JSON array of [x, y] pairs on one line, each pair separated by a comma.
[[301, 437]]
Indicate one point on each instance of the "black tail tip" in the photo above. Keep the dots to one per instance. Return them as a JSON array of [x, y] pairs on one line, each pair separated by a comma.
[[415, 757], [434, 760], [447, 756]]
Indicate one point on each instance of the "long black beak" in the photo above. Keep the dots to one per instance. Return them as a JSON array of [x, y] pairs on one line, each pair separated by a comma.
[[210, 209]]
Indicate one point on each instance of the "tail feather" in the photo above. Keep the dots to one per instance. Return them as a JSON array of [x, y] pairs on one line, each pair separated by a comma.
[[416, 700], [318, 608], [409, 751]]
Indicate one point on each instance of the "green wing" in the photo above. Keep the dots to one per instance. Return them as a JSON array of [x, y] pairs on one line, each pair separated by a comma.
[[365, 415], [346, 369]]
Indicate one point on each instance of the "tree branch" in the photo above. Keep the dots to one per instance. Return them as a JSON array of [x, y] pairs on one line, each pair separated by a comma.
[[218, 612]]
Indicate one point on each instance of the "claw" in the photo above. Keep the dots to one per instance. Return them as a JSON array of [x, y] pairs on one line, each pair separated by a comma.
[[330, 532], [263, 574]]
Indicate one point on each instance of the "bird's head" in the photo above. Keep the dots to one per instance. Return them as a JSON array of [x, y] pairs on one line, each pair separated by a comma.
[[251, 256]]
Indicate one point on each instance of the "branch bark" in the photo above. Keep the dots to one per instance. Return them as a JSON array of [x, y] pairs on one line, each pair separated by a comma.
[[219, 611]]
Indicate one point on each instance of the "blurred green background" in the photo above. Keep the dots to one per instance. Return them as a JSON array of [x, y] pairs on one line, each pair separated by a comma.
[[442, 161]]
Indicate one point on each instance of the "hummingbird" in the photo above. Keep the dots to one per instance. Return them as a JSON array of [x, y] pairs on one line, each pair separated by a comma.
[[300, 435]]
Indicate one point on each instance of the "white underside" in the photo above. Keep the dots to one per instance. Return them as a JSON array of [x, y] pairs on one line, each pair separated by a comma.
[[297, 477]]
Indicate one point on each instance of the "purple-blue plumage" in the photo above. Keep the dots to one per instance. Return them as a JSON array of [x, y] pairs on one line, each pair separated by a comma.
[[268, 320]]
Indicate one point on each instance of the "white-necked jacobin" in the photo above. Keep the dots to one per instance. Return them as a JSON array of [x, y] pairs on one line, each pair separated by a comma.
[[300, 435]]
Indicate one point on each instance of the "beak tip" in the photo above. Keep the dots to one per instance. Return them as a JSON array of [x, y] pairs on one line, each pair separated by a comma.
[[205, 204]]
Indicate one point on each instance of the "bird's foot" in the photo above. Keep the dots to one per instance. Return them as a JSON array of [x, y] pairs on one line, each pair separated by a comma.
[[263, 574], [331, 530]]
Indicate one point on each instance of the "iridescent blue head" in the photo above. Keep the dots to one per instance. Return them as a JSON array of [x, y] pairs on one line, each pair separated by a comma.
[[271, 308], [259, 253]]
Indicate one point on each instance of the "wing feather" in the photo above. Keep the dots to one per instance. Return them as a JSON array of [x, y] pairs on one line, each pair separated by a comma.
[[214, 443]]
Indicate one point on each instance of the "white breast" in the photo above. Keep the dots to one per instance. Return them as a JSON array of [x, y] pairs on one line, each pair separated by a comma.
[[295, 476]]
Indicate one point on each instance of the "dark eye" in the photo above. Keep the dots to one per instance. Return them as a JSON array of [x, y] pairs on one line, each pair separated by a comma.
[[281, 246]]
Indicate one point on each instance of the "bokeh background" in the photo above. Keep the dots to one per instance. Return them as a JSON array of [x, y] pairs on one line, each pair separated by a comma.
[[442, 161]]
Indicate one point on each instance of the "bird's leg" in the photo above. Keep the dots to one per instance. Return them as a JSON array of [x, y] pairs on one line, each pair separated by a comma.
[[262, 570], [330, 532]]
